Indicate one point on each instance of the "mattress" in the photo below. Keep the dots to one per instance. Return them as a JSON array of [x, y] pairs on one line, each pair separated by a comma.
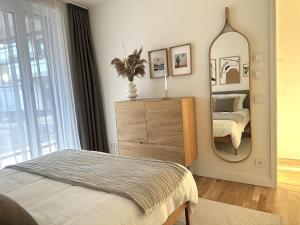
[[222, 128], [54, 203], [246, 115]]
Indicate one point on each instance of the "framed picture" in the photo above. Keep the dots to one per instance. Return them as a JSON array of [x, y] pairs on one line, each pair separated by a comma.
[[181, 60], [230, 70], [158, 63], [213, 71], [246, 70]]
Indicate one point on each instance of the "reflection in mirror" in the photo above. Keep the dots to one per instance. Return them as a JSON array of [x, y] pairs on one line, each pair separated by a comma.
[[230, 97]]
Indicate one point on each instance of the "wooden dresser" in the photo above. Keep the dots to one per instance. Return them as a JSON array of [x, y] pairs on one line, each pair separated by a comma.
[[158, 128]]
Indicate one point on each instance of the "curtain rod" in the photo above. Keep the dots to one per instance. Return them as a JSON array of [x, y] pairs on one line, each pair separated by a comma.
[[67, 1]]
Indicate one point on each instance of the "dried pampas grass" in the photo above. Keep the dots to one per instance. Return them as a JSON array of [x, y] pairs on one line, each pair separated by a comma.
[[132, 66]]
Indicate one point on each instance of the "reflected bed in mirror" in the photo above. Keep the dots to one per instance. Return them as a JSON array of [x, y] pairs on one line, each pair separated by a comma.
[[230, 94], [231, 124]]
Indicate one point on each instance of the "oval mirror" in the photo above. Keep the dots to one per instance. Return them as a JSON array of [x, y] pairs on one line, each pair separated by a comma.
[[230, 94]]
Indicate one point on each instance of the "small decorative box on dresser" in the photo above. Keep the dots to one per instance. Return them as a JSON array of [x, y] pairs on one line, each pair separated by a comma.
[[158, 128]]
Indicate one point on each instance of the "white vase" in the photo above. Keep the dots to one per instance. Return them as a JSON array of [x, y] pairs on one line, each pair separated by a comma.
[[132, 91]]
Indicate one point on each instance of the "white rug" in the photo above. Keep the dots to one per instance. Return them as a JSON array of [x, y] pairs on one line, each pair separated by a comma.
[[215, 213]]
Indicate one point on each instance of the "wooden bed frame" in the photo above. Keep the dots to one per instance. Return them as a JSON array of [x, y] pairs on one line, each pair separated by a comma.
[[174, 216], [225, 139]]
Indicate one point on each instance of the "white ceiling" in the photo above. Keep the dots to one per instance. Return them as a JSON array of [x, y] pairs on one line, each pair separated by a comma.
[[85, 3]]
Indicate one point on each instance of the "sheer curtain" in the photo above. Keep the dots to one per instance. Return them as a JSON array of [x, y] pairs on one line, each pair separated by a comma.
[[37, 114]]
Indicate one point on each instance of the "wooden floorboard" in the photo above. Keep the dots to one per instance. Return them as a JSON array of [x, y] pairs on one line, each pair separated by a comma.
[[283, 201]]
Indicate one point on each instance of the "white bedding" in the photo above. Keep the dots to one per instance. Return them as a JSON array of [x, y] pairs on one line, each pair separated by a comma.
[[222, 128], [55, 203]]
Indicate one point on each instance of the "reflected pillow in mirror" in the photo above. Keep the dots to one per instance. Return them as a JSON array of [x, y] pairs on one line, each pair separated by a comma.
[[224, 105], [239, 100]]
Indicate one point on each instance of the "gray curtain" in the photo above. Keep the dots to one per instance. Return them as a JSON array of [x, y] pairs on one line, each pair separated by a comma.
[[86, 84]]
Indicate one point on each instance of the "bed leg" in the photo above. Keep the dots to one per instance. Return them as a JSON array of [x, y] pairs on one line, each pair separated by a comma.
[[187, 215]]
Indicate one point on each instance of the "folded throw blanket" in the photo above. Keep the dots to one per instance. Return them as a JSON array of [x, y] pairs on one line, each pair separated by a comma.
[[11, 213], [146, 182], [239, 119]]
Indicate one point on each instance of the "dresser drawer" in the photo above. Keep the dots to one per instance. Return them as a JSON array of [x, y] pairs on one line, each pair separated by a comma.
[[160, 152], [164, 122], [131, 121]]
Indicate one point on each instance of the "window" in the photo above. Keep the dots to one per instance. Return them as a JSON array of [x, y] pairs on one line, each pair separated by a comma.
[[36, 103]]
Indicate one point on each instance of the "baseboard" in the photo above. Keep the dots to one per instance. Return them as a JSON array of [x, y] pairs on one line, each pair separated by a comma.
[[236, 177]]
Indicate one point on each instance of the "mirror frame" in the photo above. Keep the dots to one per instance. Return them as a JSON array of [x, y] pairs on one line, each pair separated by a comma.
[[229, 28]]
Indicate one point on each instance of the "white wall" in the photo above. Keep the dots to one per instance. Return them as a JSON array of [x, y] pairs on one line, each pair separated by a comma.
[[158, 24], [288, 48]]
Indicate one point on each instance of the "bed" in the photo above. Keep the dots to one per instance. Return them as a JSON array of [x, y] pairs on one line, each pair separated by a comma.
[[52, 202], [230, 126]]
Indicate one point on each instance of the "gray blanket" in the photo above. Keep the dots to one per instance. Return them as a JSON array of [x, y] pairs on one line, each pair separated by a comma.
[[146, 182], [238, 118]]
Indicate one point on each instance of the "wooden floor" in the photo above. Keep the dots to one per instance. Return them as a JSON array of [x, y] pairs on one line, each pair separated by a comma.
[[289, 174], [283, 201]]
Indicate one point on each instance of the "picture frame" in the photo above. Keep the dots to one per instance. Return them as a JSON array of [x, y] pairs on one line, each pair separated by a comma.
[[246, 70], [229, 70], [181, 59], [213, 71], [158, 63]]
